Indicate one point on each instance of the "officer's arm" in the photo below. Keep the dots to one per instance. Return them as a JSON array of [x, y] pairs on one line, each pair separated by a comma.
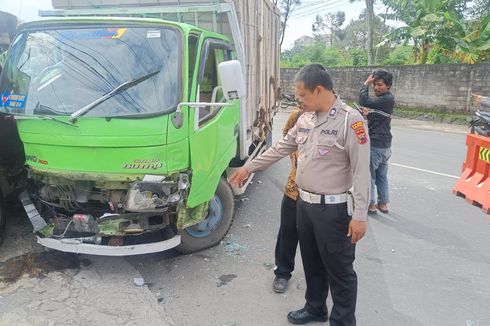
[[281, 149], [357, 146]]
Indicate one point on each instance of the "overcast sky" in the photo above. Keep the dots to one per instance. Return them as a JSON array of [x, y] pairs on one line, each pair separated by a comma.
[[299, 24]]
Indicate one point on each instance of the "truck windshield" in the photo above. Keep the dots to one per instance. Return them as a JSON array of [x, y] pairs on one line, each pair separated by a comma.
[[57, 72]]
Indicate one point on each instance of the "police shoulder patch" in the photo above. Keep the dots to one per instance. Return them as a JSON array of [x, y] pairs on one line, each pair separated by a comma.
[[360, 131]]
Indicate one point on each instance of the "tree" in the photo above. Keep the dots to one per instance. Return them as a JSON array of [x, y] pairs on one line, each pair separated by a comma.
[[355, 35], [469, 40], [330, 56], [401, 55], [287, 8], [331, 22], [426, 22], [370, 30]]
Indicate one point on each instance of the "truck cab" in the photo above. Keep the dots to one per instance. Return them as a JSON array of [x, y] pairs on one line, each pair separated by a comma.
[[129, 126]]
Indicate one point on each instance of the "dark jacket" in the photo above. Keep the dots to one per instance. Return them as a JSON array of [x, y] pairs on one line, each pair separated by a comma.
[[379, 125]]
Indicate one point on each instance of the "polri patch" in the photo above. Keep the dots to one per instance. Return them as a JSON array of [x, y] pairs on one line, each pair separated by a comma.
[[360, 131]]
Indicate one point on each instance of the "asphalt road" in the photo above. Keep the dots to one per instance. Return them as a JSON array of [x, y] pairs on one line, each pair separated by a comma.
[[425, 263]]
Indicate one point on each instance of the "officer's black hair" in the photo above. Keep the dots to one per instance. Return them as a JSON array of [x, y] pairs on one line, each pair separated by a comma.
[[384, 75], [314, 75]]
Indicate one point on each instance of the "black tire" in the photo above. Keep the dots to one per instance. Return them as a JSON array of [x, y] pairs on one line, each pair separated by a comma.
[[193, 240]]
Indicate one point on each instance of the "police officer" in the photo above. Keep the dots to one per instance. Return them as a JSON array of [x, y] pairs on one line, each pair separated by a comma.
[[333, 157]]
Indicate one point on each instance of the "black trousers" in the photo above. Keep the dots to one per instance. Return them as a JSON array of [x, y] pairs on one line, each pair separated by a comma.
[[328, 258], [287, 239]]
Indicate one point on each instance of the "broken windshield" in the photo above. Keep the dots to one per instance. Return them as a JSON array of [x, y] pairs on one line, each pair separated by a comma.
[[57, 72]]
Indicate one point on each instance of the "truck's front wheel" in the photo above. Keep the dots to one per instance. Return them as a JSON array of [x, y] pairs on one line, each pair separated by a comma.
[[211, 230]]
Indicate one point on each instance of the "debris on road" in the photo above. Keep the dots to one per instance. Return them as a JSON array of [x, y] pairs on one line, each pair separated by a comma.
[[139, 281]]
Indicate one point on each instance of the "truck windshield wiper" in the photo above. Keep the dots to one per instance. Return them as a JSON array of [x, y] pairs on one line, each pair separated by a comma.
[[41, 109], [119, 89], [45, 117], [44, 108]]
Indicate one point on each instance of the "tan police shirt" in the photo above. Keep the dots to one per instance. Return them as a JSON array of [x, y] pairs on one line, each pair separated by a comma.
[[333, 154]]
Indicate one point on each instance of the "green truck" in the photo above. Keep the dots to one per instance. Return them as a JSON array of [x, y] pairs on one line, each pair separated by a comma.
[[132, 115]]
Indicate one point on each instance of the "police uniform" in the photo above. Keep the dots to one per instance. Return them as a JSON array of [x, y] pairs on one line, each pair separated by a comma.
[[333, 157]]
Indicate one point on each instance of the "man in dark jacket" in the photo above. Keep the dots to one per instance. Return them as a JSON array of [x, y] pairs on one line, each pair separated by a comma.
[[378, 110]]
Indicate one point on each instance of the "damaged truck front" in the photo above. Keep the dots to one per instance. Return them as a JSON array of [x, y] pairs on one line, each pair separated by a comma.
[[129, 126]]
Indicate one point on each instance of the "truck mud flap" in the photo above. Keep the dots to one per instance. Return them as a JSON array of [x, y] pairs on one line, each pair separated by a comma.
[[38, 223]]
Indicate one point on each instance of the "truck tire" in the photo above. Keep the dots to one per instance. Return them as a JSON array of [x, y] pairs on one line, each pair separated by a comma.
[[213, 229]]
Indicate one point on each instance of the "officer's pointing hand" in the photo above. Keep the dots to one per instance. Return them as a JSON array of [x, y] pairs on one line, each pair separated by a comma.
[[357, 229], [239, 176]]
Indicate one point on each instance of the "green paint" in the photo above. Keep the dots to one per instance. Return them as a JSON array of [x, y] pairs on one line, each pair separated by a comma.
[[190, 216], [212, 149], [46, 231], [111, 227], [115, 151]]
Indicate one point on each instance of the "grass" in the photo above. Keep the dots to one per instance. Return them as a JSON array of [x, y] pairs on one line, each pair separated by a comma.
[[436, 115]]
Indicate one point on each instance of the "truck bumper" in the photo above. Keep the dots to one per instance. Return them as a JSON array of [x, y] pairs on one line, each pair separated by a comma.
[[75, 246]]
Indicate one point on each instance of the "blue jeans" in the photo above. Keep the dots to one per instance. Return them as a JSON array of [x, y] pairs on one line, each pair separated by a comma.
[[379, 175]]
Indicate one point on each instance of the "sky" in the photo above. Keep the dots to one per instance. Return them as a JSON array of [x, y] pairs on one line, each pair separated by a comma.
[[299, 24]]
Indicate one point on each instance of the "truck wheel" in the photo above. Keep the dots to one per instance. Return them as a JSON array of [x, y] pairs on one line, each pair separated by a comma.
[[213, 229]]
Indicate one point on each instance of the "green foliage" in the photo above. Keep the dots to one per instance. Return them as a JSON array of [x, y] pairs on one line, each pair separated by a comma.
[[401, 55], [465, 41], [434, 31], [437, 115], [436, 56], [330, 23], [358, 57], [328, 56], [441, 32]]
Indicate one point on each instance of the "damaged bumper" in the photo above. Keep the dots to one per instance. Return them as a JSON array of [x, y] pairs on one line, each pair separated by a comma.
[[78, 247]]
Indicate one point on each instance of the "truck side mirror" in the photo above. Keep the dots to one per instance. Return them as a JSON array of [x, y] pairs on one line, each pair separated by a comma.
[[231, 75]]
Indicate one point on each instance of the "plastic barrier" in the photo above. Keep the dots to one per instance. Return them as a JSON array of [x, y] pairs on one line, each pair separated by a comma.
[[474, 183]]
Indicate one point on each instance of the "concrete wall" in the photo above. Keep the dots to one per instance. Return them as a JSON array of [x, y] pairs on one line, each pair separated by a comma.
[[445, 87]]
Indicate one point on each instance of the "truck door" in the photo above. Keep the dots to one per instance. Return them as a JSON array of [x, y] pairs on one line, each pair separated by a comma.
[[213, 138]]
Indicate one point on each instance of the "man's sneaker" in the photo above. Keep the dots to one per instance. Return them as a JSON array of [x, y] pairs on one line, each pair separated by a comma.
[[372, 210], [383, 208], [279, 285]]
